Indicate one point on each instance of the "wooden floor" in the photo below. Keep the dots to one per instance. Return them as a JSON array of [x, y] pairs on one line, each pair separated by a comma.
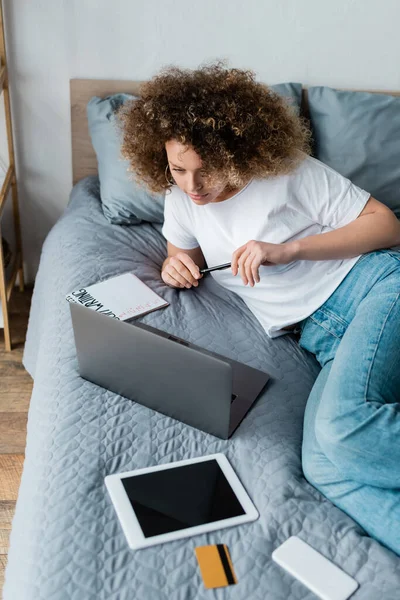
[[15, 393]]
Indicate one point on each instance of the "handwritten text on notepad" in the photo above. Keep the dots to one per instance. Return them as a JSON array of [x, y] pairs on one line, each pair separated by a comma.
[[138, 309]]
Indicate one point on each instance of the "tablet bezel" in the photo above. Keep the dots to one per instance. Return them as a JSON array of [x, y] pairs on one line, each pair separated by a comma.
[[130, 524]]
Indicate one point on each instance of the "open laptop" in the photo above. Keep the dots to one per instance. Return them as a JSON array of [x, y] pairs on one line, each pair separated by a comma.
[[165, 373]]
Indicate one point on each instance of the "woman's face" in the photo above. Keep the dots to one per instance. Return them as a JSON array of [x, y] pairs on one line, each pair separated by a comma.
[[186, 168]]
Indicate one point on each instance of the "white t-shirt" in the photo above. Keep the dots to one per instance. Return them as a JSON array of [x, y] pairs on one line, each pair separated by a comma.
[[313, 199]]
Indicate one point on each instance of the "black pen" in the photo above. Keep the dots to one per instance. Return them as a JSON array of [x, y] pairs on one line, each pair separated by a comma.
[[217, 268]]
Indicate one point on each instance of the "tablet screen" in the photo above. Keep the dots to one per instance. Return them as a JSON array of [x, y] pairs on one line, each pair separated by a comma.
[[181, 497]]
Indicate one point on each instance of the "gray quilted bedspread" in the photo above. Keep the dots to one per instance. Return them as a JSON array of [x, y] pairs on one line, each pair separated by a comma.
[[66, 541]]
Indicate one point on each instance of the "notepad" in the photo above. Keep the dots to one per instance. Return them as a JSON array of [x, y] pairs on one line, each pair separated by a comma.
[[123, 297]]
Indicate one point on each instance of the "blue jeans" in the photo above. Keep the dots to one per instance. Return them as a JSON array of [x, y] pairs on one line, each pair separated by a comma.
[[351, 440]]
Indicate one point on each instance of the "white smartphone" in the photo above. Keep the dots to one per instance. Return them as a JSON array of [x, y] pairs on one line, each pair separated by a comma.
[[175, 500], [315, 571]]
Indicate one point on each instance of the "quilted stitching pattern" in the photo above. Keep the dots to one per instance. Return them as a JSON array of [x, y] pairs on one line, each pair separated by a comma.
[[66, 542]]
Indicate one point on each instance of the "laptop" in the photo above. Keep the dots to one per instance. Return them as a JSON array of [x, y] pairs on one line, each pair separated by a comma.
[[163, 372]]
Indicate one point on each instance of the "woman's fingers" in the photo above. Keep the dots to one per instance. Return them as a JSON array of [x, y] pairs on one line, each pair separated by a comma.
[[181, 275], [235, 259], [192, 269], [251, 268], [248, 266], [242, 267], [246, 261], [175, 280], [254, 270], [181, 272]]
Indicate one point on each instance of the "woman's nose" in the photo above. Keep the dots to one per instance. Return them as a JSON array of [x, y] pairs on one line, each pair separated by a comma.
[[194, 183]]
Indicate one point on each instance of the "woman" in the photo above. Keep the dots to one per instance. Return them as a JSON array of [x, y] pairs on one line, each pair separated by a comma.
[[309, 250]]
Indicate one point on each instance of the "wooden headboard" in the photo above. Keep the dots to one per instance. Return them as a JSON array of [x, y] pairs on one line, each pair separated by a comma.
[[84, 160]]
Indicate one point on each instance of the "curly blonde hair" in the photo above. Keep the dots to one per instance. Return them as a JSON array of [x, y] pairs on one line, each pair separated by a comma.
[[240, 128]]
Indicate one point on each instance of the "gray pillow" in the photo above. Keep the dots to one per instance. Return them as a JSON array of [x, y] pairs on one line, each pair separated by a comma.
[[290, 91], [358, 135], [124, 201]]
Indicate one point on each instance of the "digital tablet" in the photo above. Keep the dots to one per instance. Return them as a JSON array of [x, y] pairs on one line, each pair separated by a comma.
[[180, 499]]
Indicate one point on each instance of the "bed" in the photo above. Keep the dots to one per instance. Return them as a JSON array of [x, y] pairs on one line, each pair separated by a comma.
[[66, 542]]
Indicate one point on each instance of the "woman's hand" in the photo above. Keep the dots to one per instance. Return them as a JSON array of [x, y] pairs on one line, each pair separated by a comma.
[[180, 271], [247, 259]]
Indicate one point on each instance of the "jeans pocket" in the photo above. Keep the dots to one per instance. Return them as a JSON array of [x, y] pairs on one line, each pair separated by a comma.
[[321, 334], [329, 321], [392, 252]]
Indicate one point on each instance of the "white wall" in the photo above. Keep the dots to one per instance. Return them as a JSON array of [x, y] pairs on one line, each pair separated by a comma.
[[346, 43]]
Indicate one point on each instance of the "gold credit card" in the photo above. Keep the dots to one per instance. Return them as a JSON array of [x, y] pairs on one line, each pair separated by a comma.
[[215, 566]]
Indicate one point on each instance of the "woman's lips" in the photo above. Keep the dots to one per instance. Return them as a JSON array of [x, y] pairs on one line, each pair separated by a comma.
[[198, 196]]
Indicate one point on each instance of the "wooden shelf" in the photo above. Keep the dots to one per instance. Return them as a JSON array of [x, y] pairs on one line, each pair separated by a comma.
[[8, 187], [5, 187], [14, 273], [3, 75], [10, 282]]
